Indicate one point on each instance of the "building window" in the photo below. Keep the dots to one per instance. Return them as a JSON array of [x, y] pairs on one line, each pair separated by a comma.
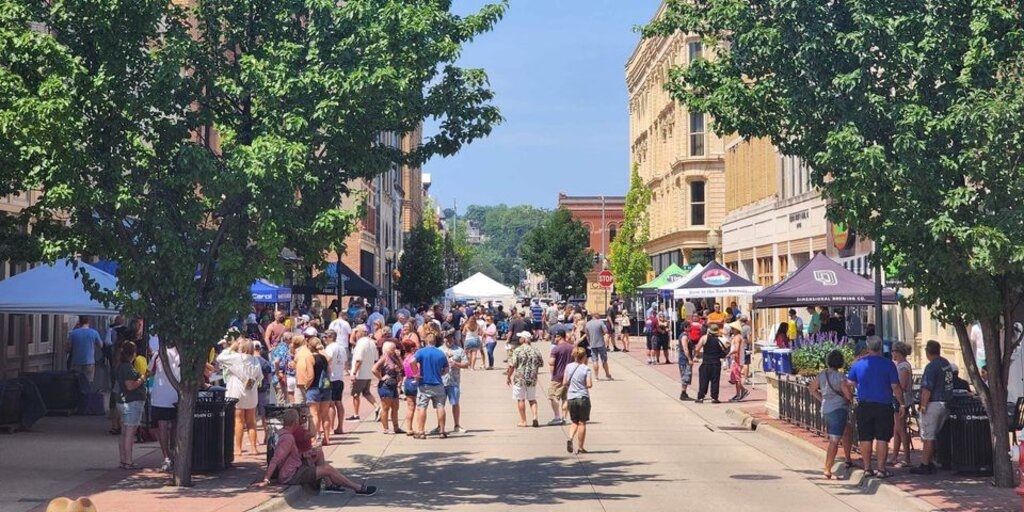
[[612, 231], [44, 329], [696, 51], [696, 134], [697, 203], [765, 272]]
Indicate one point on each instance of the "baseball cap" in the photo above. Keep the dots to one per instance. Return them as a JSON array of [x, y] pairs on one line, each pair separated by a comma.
[[525, 334], [305, 319], [558, 331], [310, 331]]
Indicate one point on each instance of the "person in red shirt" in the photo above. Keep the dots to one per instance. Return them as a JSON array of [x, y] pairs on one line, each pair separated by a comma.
[[691, 335]]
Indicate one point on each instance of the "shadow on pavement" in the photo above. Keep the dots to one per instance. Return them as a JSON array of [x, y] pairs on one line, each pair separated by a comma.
[[439, 480]]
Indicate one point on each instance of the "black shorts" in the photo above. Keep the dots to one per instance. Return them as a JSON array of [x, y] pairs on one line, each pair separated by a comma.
[[163, 413], [537, 326], [579, 409], [874, 421], [337, 389], [662, 343]]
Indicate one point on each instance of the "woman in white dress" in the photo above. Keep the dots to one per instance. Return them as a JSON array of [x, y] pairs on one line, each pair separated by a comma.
[[243, 376]]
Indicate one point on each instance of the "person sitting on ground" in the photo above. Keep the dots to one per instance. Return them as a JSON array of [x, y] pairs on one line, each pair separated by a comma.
[[291, 470]]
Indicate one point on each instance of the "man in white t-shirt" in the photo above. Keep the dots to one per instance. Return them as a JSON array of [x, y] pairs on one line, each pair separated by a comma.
[[337, 360], [364, 356], [164, 399], [342, 328]]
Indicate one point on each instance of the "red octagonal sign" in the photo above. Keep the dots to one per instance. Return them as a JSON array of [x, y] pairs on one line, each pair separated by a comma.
[[606, 278]]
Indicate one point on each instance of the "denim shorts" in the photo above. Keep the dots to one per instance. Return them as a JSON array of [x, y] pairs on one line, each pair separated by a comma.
[[384, 391], [685, 369], [410, 387], [131, 413], [315, 395], [452, 392], [835, 421]]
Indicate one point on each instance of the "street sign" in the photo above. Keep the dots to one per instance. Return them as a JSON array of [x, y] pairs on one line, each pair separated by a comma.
[[606, 278]]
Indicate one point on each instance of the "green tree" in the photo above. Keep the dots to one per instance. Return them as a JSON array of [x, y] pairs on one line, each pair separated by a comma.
[[193, 143], [558, 249], [911, 114], [505, 227], [453, 266], [422, 266], [627, 255]]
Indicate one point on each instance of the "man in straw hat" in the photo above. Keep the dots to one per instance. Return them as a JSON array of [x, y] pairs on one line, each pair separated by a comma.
[[523, 365]]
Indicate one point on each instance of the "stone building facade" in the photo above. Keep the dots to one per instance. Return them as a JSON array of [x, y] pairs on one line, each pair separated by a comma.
[[679, 158]]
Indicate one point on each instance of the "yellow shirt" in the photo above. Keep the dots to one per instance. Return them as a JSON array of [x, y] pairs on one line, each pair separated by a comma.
[[140, 365], [716, 317]]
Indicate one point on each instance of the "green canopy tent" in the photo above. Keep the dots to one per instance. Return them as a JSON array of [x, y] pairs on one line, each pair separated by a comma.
[[671, 274]]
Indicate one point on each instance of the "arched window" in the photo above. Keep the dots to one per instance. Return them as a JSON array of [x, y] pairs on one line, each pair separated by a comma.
[[612, 231]]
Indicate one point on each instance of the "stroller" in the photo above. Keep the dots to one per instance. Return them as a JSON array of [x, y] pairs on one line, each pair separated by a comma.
[[503, 328]]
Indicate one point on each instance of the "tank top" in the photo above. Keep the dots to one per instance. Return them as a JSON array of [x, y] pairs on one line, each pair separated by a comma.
[[407, 365], [319, 367], [713, 348]]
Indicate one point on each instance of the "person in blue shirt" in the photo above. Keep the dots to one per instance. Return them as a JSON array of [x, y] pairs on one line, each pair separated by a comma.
[[537, 316], [83, 344], [877, 382], [431, 364], [936, 388]]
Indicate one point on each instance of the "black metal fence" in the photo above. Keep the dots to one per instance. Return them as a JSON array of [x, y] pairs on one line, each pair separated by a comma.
[[798, 406]]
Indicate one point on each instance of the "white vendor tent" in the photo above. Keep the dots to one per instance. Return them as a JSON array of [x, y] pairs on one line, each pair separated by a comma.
[[55, 289], [480, 287]]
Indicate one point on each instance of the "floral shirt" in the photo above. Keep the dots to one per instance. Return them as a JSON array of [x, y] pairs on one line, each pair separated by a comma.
[[526, 360]]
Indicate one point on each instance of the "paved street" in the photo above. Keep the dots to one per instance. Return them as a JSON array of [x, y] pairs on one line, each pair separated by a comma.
[[648, 452]]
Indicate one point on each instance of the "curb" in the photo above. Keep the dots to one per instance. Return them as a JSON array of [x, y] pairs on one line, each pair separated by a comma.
[[854, 477], [292, 495]]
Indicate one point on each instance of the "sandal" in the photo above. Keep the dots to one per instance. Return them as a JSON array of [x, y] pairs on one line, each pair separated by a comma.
[[827, 476], [900, 465], [868, 473], [883, 474], [114, 431], [849, 464], [581, 450], [419, 435], [444, 435]]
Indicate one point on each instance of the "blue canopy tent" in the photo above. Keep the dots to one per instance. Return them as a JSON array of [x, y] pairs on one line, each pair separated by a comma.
[[265, 292]]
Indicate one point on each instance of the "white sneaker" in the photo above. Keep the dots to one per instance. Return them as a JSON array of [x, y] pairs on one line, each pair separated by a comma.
[[459, 430], [167, 465]]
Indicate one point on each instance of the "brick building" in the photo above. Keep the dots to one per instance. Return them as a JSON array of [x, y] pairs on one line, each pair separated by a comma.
[[603, 217]]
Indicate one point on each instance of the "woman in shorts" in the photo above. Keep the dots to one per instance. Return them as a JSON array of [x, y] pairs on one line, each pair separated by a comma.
[[901, 426], [244, 376], [131, 399], [318, 391], [389, 373], [472, 332], [409, 346], [832, 388], [578, 381]]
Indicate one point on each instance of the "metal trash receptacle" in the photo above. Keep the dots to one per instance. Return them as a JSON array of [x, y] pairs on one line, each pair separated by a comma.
[[970, 437], [208, 424]]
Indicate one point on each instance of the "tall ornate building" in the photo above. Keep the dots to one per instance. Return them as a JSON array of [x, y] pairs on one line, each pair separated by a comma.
[[679, 158]]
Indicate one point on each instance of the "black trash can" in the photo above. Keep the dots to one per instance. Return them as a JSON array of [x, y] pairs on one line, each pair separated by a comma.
[[11, 405], [208, 432], [944, 448], [970, 437], [229, 433]]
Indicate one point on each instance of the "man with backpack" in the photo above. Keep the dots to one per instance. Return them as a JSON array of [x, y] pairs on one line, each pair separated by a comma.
[[711, 351]]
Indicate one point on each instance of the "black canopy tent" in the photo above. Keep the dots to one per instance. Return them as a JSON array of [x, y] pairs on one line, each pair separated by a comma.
[[821, 282]]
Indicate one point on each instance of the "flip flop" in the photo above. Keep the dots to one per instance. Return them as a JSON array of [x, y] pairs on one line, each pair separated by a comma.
[[827, 476], [885, 473]]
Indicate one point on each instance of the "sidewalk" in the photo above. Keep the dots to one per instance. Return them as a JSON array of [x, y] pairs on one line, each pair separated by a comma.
[[75, 456], [944, 491]]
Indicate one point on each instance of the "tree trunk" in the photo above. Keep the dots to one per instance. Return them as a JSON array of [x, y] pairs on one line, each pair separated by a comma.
[[183, 436], [997, 342]]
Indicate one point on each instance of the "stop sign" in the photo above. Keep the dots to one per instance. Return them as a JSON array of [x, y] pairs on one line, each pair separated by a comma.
[[606, 279]]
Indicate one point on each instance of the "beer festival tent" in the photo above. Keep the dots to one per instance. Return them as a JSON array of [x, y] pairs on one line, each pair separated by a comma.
[[480, 287], [672, 273], [55, 289], [821, 282], [714, 280]]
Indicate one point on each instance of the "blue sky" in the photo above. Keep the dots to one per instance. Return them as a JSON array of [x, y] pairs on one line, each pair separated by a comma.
[[558, 70]]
